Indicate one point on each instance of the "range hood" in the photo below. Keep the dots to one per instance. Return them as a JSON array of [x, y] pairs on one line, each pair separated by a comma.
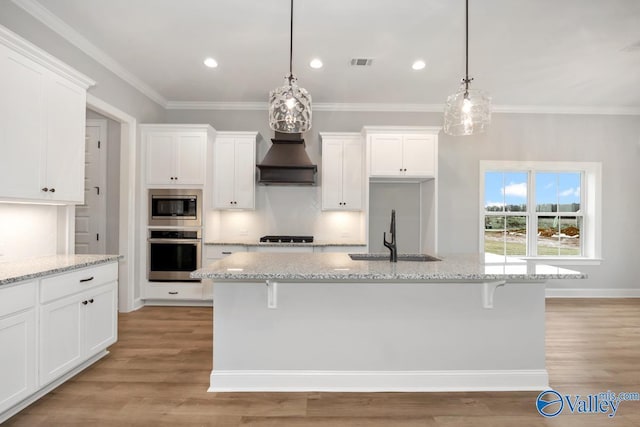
[[287, 162]]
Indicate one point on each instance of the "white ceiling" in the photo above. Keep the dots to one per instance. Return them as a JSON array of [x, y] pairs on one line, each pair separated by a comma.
[[527, 53]]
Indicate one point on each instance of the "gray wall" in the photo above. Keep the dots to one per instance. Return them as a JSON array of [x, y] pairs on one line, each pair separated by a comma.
[[109, 87], [612, 140], [405, 199]]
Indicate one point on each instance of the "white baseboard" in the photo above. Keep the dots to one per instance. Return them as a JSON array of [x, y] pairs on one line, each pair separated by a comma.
[[137, 304], [592, 293], [47, 388], [178, 303], [378, 381]]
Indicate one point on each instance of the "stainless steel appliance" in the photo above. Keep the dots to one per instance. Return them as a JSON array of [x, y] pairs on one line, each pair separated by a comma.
[[175, 207], [173, 254], [287, 239]]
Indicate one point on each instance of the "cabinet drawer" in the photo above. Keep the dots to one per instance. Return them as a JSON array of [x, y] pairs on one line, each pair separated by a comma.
[[76, 281], [221, 251], [178, 291], [17, 297]]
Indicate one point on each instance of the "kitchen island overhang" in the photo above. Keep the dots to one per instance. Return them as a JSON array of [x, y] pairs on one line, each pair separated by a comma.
[[322, 322]]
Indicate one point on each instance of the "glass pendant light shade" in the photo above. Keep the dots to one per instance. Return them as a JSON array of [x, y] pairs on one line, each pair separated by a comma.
[[467, 112], [290, 105], [290, 108]]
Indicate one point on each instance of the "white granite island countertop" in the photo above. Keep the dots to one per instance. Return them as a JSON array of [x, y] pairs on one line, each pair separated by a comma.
[[33, 268], [250, 266], [324, 322]]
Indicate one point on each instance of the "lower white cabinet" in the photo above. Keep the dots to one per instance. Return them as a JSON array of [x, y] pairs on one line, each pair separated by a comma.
[[74, 329], [17, 343], [52, 325]]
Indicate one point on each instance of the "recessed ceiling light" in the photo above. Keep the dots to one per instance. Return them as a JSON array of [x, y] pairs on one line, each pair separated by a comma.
[[315, 63], [211, 63], [418, 65]]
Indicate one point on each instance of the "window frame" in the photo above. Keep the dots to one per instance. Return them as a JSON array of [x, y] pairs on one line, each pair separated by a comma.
[[590, 207]]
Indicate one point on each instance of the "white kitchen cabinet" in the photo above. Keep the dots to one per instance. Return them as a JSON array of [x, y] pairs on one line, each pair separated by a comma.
[[234, 165], [342, 171], [402, 152], [42, 125], [78, 319], [18, 343], [176, 154]]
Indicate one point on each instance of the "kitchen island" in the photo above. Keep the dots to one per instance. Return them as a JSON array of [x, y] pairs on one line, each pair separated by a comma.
[[301, 322]]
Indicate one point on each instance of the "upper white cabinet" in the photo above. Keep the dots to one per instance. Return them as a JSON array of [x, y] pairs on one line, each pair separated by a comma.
[[400, 152], [42, 125], [234, 166], [342, 171], [176, 154]]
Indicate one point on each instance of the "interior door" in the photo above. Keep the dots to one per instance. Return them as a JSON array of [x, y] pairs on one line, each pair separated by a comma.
[[91, 221]]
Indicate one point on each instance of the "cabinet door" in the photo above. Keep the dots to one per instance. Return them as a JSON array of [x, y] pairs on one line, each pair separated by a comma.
[[352, 175], [60, 338], [332, 179], [386, 155], [190, 159], [100, 318], [418, 152], [66, 105], [22, 127], [17, 358], [223, 173], [245, 173], [160, 158]]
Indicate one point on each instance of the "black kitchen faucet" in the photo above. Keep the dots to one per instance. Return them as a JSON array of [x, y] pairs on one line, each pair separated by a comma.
[[393, 256]]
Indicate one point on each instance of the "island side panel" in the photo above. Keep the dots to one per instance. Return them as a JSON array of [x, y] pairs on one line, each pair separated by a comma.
[[378, 327]]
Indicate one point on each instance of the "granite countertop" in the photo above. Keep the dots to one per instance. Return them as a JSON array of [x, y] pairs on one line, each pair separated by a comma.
[[33, 268], [282, 244], [255, 266]]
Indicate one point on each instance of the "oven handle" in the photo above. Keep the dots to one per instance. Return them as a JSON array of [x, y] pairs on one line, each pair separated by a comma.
[[179, 241]]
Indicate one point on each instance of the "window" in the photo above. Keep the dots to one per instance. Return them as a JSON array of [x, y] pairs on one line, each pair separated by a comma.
[[540, 209]]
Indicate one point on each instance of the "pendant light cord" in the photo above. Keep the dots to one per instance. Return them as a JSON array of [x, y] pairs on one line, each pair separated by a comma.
[[291, 45], [466, 45]]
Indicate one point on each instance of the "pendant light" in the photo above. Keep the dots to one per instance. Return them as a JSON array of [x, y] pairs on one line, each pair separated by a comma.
[[290, 105], [467, 111]]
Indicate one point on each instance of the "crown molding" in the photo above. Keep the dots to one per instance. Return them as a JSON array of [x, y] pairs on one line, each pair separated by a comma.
[[567, 109], [407, 108], [205, 105], [33, 52], [44, 15]]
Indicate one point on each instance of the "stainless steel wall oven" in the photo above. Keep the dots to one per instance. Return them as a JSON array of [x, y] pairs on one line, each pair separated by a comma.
[[175, 207], [173, 254]]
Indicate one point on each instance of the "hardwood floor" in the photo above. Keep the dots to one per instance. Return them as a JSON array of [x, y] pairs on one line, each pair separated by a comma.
[[157, 375]]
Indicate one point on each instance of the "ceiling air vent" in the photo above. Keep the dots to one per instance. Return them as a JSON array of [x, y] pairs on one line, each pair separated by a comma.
[[361, 62]]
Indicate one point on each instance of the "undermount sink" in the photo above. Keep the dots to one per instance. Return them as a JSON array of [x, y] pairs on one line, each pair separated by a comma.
[[385, 257]]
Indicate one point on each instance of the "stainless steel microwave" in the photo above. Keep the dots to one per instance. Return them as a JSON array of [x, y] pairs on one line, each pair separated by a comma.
[[175, 207]]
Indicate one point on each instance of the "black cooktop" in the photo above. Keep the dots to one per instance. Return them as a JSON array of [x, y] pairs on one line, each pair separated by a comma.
[[287, 239]]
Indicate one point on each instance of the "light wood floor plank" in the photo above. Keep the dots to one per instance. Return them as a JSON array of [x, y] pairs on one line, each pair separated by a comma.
[[158, 373]]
